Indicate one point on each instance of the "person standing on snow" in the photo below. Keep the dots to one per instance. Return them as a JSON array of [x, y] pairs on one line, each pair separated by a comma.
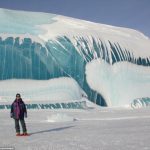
[[18, 112]]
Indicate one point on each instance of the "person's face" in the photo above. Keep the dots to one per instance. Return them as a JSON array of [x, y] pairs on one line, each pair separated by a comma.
[[17, 97]]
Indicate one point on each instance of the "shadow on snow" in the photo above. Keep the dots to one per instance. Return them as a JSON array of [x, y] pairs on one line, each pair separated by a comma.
[[51, 130]]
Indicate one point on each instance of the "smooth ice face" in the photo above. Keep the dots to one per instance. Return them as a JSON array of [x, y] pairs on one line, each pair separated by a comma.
[[120, 83], [13, 22]]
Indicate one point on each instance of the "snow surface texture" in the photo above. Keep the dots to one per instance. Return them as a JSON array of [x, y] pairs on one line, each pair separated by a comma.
[[52, 46], [60, 117], [97, 129]]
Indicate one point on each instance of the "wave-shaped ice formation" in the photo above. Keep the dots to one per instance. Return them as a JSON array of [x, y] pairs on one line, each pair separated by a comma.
[[140, 102], [54, 46]]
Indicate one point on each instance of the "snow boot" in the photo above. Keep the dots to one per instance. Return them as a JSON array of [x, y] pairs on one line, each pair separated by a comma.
[[25, 134], [18, 134]]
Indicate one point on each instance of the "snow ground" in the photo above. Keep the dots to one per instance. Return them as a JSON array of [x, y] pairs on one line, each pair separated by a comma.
[[92, 128]]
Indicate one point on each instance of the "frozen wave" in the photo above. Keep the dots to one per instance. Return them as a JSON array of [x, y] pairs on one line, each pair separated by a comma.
[[140, 102], [43, 46]]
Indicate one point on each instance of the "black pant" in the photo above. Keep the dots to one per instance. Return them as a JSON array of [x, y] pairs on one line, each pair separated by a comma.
[[23, 124]]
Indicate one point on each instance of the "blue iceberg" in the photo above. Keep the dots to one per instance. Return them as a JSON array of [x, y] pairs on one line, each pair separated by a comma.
[[41, 46]]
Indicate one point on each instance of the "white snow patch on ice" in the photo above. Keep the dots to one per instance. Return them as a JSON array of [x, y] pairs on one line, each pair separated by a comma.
[[58, 89], [60, 117], [120, 83]]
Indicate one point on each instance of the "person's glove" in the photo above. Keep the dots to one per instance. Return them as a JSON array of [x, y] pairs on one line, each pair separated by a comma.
[[11, 115], [25, 115]]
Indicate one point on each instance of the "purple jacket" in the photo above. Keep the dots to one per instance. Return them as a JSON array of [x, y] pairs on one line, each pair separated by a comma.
[[18, 109]]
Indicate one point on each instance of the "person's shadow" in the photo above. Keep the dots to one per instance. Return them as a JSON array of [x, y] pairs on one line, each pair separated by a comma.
[[51, 130]]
